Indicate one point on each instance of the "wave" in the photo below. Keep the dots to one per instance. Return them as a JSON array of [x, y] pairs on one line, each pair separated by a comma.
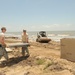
[[63, 35], [51, 35]]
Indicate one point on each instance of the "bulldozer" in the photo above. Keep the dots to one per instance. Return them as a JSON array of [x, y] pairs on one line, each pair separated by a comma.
[[42, 37]]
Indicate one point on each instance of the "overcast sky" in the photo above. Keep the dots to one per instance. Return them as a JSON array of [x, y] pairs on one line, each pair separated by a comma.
[[35, 15]]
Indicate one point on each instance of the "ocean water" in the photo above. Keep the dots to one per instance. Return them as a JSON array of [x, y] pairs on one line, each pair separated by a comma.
[[54, 35]]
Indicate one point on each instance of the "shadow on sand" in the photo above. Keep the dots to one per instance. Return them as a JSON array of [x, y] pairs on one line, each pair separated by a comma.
[[13, 61]]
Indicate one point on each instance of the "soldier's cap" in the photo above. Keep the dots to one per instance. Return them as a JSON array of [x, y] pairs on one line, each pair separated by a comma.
[[3, 28], [24, 30]]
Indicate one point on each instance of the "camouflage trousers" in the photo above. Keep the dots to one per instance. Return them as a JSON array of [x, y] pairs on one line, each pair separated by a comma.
[[25, 48], [3, 52]]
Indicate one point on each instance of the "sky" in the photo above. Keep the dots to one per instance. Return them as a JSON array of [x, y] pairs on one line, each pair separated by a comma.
[[36, 15]]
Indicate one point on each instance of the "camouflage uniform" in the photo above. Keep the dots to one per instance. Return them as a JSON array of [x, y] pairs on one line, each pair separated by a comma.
[[2, 48], [3, 52], [25, 40]]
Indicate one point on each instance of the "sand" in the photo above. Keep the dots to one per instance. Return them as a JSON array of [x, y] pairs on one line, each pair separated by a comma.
[[44, 60]]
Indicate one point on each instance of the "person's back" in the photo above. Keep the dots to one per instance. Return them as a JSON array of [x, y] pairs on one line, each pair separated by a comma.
[[24, 37], [25, 40]]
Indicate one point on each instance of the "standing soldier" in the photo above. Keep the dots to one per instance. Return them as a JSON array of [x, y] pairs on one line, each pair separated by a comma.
[[25, 40], [3, 44]]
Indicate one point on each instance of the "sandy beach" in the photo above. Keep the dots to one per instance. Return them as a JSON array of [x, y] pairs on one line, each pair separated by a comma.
[[44, 60], [47, 28]]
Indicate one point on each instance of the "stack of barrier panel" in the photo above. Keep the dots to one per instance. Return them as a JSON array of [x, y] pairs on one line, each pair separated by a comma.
[[68, 48]]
